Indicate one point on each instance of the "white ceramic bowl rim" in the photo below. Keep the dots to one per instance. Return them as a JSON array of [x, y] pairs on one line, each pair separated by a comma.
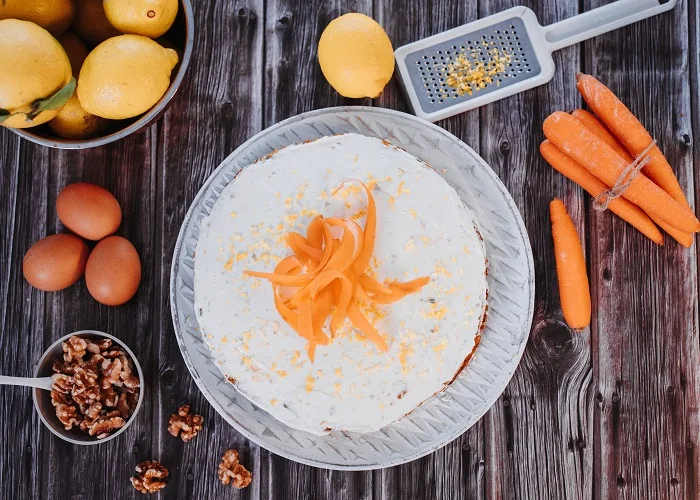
[[137, 365]]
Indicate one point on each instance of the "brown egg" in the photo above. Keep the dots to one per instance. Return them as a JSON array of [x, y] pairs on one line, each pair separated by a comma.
[[88, 210], [113, 271], [55, 262]]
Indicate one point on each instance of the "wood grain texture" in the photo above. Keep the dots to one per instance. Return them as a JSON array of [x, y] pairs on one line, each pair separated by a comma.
[[225, 83], [457, 470], [294, 84], [538, 432], [23, 222], [606, 413], [645, 343]]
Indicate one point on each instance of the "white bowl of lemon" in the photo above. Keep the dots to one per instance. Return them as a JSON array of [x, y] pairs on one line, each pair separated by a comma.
[[84, 73]]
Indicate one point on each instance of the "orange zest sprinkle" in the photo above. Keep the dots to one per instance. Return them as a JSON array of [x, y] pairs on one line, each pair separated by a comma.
[[329, 275]]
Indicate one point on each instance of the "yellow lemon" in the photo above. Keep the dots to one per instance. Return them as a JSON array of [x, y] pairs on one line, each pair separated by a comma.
[[52, 15], [76, 50], [356, 56], [125, 76], [34, 68], [151, 18], [73, 122], [91, 22]]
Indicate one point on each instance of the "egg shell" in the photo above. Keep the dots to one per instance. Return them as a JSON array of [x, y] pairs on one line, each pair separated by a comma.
[[113, 271], [88, 210], [55, 262]]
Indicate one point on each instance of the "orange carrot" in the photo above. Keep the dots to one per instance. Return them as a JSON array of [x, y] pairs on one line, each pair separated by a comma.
[[631, 133], [621, 207], [301, 279], [593, 124], [369, 331], [360, 265], [574, 293], [574, 139]]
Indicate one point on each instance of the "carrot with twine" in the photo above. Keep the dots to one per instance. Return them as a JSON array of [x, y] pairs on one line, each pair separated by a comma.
[[630, 132], [574, 292], [578, 142], [594, 125], [624, 209]]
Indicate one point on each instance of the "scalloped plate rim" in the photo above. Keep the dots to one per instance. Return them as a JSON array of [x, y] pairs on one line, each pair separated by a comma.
[[194, 206]]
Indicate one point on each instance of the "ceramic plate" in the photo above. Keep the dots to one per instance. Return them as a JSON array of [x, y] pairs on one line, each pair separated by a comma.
[[443, 417]]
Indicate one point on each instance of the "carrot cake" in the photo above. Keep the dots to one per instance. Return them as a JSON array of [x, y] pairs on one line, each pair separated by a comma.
[[423, 229]]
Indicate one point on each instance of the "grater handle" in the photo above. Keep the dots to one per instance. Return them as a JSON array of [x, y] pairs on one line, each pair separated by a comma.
[[601, 20]]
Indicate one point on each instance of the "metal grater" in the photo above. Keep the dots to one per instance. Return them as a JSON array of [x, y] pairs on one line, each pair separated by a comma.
[[424, 66], [430, 73]]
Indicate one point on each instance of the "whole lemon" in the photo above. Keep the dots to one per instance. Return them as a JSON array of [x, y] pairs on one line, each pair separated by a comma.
[[34, 68], [151, 18], [73, 122], [75, 49], [52, 15], [356, 56], [91, 22], [125, 76]]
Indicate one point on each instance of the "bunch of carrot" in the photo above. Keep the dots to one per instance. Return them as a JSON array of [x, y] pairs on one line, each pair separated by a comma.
[[595, 150]]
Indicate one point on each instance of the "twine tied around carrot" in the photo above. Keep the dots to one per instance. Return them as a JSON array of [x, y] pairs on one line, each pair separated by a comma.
[[602, 201]]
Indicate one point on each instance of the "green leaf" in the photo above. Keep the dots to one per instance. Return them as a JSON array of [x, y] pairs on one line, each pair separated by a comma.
[[55, 101], [4, 115]]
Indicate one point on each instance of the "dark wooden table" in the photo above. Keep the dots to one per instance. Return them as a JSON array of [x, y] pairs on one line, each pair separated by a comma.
[[612, 412]]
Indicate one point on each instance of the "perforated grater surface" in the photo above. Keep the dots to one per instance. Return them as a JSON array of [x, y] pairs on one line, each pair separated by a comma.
[[512, 49]]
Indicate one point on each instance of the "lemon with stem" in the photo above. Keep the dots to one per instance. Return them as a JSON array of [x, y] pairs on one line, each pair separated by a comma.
[[36, 78]]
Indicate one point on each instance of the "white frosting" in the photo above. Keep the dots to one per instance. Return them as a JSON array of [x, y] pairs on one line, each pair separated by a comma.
[[423, 229]]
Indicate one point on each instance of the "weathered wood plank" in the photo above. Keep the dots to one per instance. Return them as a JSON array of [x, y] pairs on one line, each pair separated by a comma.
[[218, 108], [691, 391], [9, 154], [645, 336], [294, 83], [457, 470], [23, 221], [126, 169], [538, 433]]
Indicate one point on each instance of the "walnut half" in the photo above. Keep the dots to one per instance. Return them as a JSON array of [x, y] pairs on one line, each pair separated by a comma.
[[230, 468], [74, 349], [185, 424], [68, 415], [103, 427], [149, 477]]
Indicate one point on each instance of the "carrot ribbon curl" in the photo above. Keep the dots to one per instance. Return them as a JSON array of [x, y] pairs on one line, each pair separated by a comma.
[[328, 276]]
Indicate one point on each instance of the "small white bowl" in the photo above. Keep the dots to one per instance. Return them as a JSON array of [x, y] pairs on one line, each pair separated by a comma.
[[42, 398]]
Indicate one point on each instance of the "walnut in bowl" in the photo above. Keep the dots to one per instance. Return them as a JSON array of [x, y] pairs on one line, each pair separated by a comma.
[[96, 387]]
